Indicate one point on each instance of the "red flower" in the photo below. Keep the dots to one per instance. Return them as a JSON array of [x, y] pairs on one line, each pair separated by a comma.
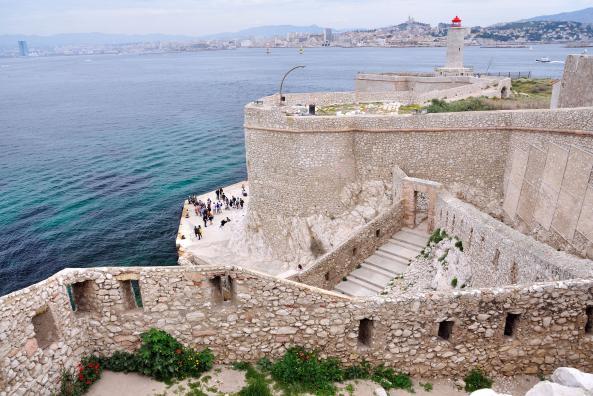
[[178, 351], [88, 382]]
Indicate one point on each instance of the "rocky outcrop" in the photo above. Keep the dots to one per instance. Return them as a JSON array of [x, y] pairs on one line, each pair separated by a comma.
[[547, 388], [572, 377]]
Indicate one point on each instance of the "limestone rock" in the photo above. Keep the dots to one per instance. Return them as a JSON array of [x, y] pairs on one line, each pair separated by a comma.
[[487, 392], [547, 388], [572, 377], [380, 392]]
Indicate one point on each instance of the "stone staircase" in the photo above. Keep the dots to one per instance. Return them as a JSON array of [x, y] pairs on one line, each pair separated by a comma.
[[390, 260]]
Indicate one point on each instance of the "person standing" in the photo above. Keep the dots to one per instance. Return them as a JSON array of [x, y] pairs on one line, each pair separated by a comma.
[[199, 232]]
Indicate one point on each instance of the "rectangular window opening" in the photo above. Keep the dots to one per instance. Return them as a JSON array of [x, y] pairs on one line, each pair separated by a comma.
[[45, 328], [378, 233], [445, 329], [71, 297], [365, 333], [223, 289], [589, 323], [327, 277], [131, 293], [510, 324], [354, 252], [82, 294]]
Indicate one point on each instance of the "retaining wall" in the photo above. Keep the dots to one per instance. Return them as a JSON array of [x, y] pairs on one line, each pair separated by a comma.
[[263, 316], [500, 255]]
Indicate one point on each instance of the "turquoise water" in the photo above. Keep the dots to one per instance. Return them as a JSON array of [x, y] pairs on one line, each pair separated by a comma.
[[97, 153]]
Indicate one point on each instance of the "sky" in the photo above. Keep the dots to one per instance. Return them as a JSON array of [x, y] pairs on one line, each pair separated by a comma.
[[200, 17]]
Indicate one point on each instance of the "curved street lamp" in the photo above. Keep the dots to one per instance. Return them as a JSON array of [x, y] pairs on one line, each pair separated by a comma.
[[282, 82]]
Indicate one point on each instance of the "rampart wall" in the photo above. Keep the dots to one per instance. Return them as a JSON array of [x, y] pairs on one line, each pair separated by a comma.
[[299, 165], [500, 255], [548, 188], [329, 269], [262, 316]]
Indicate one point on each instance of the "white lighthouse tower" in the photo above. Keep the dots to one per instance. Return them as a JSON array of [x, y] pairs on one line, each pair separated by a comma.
[[455, 44]]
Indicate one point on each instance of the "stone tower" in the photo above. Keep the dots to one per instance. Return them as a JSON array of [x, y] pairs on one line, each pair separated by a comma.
[[455, 44]]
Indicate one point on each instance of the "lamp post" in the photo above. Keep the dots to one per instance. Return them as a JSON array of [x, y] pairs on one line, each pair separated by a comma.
[[282, 82]]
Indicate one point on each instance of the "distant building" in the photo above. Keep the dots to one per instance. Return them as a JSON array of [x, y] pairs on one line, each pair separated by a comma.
[[23, 48], [328, 36]]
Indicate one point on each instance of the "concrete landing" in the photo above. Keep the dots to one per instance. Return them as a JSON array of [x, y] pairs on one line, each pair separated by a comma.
[[389, 260]]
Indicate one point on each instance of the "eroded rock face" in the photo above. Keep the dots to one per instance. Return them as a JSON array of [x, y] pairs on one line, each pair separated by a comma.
[[307, 238], [572, 377], [453, 270], [547, 388], [441, 266]]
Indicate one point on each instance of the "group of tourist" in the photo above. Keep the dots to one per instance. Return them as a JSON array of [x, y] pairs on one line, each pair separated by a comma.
[[207, 210]]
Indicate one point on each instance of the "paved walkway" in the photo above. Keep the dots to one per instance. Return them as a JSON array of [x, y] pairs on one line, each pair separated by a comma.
[[389, 260]]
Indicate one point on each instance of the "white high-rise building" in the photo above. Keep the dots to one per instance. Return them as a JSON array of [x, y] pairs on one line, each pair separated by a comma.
[[328, 36]]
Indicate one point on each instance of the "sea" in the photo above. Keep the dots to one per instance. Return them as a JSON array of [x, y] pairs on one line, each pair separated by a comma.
[[97, 153]]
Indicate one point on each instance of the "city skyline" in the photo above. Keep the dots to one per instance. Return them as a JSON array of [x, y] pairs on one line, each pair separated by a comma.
[[203, 17]]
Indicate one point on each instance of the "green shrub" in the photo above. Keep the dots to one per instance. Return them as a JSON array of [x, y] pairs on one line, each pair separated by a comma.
[[256, 383], [469, 104], [476, 379], [121, 362], [454, 282], [358, 371], [162, 357], [241, 366], [459, 245], [69, 386], [302, 371], [427, 386], [264, 364], [388, 379]]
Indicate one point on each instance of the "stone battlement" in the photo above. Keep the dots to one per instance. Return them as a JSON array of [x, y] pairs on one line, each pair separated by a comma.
[[261, 316]]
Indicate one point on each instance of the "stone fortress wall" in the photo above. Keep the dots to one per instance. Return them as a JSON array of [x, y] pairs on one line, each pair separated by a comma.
[[421, 88], [432, 334], [314, 158]]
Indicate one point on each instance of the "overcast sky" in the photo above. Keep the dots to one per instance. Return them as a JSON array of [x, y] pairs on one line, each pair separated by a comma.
[[197, 17]]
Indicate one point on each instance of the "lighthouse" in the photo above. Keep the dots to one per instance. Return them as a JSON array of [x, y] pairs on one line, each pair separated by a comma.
[[455, 43]]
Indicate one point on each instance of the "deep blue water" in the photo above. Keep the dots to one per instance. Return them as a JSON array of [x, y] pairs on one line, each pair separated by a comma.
[[98, 152]]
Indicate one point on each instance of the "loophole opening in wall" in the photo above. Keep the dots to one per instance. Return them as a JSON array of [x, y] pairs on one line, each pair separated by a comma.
[[589, 322], [354, 252], [378, 233], [365, 332], [131, 293], [81, 296], [496, 259], [45, 328], [223, 288], [327, 276], [445, 329], [514, 273], [510, 325]]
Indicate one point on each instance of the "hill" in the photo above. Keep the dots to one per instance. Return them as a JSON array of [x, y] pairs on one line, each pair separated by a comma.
[[584, 16]]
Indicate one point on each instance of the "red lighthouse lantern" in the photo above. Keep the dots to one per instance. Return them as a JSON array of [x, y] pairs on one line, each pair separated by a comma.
[[456, 22]]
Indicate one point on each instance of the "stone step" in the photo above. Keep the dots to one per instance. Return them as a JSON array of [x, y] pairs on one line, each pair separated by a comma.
[[368, 275], [416, 231], [406, 244], [365, 284], [391, 265], [411, 238], [354, 289], [398, 250], [388, 272]]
